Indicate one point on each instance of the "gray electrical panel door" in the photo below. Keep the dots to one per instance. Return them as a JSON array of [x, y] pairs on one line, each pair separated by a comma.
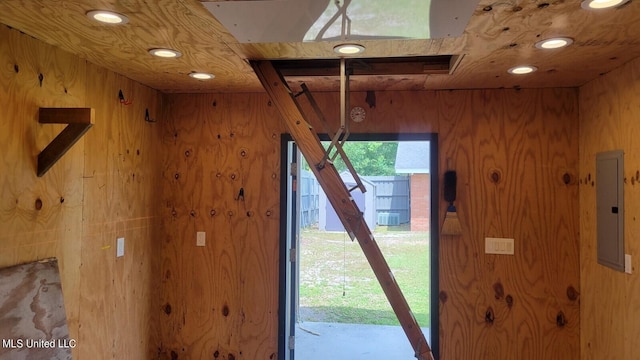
[[610, 209]]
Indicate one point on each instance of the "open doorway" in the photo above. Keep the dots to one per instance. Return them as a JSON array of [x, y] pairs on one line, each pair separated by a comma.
[[332, 305]]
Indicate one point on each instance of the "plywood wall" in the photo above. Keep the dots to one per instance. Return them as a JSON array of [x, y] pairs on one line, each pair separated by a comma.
[[515, 153], [609, 115], [517, 162], [221, 176], [104, 187], [121, 184]]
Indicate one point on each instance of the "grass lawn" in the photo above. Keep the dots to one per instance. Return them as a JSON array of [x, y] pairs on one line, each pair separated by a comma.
[[338, 285]]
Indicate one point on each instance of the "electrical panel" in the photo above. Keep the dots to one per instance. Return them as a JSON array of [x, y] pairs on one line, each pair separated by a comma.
[[610, 208]]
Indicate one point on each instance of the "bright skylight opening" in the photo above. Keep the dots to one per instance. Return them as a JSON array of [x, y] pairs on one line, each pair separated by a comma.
[[341, 20], [372, 19]]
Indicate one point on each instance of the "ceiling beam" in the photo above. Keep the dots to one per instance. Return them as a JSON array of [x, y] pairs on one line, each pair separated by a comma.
[[415, 65]]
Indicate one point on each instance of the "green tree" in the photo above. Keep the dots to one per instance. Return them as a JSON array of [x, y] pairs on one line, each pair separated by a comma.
[[369, 158]]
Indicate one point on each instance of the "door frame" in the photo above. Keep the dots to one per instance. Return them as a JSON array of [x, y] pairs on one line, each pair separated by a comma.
[[286, 326]]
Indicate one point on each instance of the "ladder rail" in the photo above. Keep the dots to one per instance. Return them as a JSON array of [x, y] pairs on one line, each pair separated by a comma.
[[339, 196], [343, 132], [339, 149]]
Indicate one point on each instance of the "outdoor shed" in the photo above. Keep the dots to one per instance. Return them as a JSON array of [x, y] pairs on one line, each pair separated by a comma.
[[329, 220]]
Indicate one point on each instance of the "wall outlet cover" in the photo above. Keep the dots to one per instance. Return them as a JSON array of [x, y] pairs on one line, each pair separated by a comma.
[[120, 247], [201, 238], [627, 264], [500, 246]]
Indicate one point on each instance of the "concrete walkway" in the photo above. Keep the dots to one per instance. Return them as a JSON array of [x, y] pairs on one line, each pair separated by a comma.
[[324, 341]]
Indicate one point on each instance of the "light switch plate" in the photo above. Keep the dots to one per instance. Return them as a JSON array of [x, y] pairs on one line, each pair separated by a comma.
[[201, 238], [500, 246], [627, 264], [120, 247]]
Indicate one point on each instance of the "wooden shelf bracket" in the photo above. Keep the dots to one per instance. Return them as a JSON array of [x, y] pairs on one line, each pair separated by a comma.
[[79, 120]]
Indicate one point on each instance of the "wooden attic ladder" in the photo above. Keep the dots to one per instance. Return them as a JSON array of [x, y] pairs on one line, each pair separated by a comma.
[[339, 196]]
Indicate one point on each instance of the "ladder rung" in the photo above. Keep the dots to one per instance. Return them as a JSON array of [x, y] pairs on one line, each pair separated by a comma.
[[348, 211]]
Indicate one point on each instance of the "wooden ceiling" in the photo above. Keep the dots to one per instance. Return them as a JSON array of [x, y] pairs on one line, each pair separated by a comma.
[[499, 35]]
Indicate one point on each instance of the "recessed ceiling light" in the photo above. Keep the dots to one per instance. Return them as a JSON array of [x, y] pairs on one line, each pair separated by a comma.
[[165, 53], [348, 49], [107, 17], [554, 43], [521, 70], [201, 76], [601, 4]]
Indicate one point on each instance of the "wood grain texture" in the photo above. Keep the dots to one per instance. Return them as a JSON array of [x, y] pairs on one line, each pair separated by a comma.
[[96, 192], [222, 298], [66, 116], [609, 111], [36, 223], [499, 35], [511, 150], [121, 185], [59, 146], [527, 137]]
